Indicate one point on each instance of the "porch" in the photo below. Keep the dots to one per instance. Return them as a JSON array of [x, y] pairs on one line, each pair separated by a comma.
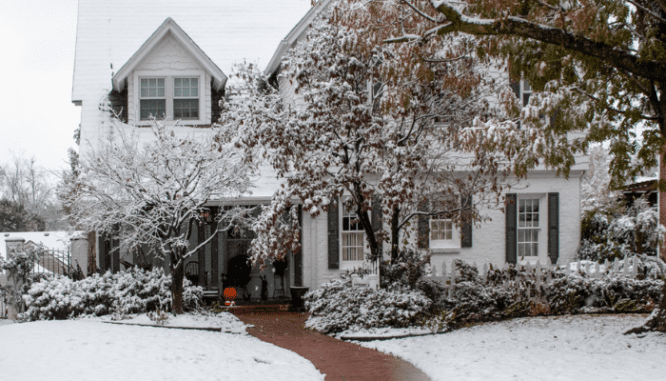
[[221, 263]]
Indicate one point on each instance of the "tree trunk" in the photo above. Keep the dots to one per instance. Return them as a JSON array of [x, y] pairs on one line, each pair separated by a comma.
[[177, 275]]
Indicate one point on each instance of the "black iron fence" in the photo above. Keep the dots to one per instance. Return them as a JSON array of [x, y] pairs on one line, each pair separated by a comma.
[[53, 262]]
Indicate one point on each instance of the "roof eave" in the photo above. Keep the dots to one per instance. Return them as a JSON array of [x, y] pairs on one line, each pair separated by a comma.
[[169, 26], [293, 36]]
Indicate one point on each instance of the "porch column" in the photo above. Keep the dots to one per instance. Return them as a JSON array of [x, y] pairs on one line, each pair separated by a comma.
[[80, 253], [214, 277]]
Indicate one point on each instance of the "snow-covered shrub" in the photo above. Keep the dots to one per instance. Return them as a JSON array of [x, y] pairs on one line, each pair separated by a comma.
[[404, 271], [338, 306], [477, 300], [132, 291], [19, 267], [607, 235], [577, 294]]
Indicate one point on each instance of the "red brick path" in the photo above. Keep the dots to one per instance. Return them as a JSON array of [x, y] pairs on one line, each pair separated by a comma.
[[337, 359]]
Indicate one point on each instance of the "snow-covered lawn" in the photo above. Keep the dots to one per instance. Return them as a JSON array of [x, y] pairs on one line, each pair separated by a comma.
[[88, 349], [582, 347]]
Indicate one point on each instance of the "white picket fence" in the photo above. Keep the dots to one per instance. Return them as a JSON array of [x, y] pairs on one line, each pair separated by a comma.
[[369, 280], [536, 274]]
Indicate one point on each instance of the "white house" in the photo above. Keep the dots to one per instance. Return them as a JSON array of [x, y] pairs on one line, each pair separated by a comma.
[[541, 218], [135, 61]]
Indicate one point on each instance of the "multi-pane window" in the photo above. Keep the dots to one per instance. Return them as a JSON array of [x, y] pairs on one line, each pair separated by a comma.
[[186, 98], [441, 229], [152, 98], [352, 236], [528, 227]]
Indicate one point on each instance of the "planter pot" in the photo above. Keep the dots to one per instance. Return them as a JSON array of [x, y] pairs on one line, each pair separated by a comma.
[[297, 294]]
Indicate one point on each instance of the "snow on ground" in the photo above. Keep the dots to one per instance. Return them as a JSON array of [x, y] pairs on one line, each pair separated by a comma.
[[228, 322], [581, 347], [384, 333], [88, 349]]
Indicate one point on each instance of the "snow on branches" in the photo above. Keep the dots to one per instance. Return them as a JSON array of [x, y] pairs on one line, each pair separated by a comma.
[[150, 192], [350, 117]]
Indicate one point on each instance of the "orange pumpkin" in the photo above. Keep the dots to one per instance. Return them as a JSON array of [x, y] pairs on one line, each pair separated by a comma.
[[229, 293]]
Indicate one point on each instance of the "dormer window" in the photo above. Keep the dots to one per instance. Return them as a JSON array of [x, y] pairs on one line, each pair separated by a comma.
[[153, 98], [170, 98], [186, 98]]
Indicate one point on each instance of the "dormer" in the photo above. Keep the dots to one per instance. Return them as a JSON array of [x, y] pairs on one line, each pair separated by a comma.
[[169, 78]]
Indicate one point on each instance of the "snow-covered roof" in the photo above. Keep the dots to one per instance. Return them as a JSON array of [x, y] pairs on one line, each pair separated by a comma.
[[57, 240], [296, 33], [110, 32], [169, 27]]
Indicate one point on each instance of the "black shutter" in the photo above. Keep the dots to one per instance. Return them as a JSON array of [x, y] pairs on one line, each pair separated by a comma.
[[553, 226], [510, 211], [466, 239], [515, 86], [298, 256], [333, 236], [423, 227], [377, 220]]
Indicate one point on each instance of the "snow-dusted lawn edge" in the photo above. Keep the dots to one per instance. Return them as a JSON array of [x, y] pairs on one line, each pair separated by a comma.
[[88, 349], [382, 334], [579, 347], [223, 322]]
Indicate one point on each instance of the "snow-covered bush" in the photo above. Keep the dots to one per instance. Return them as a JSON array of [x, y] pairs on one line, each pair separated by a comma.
[[19, 268], [338, 306], [477, 300], [132, 291], [607, 235]]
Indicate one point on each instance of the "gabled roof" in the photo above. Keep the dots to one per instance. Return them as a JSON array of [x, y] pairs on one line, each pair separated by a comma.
[[169, 26], [110, 32], [296, 33]]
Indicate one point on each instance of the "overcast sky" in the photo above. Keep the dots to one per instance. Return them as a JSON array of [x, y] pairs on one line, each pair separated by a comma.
[[38, 118], [37, 45]]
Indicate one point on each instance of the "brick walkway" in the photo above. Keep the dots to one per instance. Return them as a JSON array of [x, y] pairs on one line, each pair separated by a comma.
[[337, 359]]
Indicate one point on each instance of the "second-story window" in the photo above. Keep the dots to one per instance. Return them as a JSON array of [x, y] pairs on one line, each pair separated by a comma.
[[152, 98], [186, 98]]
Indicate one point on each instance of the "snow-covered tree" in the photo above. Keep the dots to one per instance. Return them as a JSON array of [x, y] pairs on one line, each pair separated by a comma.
[[373, 123], [594, 64], [598, 64], [153, 193], [29, 187], [595, 189]]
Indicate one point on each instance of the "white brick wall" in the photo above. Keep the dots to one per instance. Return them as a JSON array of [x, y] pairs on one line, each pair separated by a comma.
[[488, 244]]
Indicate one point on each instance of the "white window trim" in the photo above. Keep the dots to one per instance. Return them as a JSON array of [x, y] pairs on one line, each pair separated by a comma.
[[453, 243], [169, 91], [525, 89], [350, 264], [543, 219]]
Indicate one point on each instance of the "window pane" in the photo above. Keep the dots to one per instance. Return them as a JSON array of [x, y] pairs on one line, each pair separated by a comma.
[[186, 87], [152, 108], [152, 88], [186, 109]]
